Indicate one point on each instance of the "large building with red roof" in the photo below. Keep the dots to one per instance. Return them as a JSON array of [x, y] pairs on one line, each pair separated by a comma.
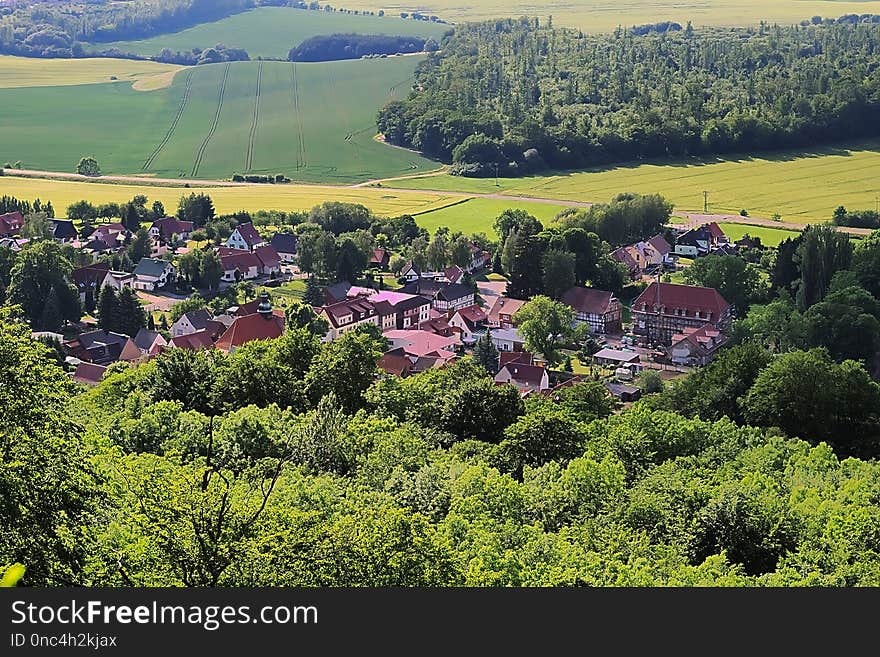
[[264, 324], [665, 310]]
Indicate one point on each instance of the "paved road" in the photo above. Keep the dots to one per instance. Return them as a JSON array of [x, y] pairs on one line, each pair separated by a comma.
[[696, 217]]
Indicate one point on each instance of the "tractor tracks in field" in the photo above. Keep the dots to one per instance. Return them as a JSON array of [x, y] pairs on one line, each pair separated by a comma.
[[201, 152], [183, 103], [249, 162], [344, 118], [302, 160]]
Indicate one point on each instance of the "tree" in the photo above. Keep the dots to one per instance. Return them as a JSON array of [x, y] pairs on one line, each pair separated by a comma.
[[477, 409], [438, 252], [350, 261], [38, 270], [738, 281], [807, 394], [784, 273], [524, 265], [313, 294], [108, 309], [545, 324], [847, 323], [486, 354], [211, 270], [158, 209], [51, 492], [52, 319], [866, 263], [822, 253], [83, 211], [345, 367], [131, 218], [197, 208], [141, 245], [650, 382], [516, 220], [548, 434], [558, 272], [88, 166], [302, 315], [37, 227], [131, 315]]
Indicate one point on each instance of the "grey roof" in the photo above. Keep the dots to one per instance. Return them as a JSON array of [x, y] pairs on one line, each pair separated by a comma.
[[284, 242], [198, 318], [506, 334], [63, 230], [150, 267], [617, 354], [145, 339]]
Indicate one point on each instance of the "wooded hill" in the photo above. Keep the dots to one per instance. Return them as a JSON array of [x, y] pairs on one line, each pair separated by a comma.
[[527, 97]]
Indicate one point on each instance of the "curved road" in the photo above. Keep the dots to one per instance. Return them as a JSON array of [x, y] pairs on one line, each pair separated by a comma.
[[697, 218]]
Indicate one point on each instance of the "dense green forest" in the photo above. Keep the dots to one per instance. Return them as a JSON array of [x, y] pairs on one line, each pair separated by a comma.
[[286, 464], [513, 96], [334, 47]]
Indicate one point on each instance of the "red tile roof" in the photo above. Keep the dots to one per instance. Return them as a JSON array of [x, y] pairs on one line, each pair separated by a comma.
[[249, 328], [89, 373], [169, 226], [268, 256], [240, 260], [715, 230], [688, 298], [472, 315], [504, 306], [660, 245], [395, 363], [11, 223], [250, 234], [91, 276], [588, 300], [358, 308], [379, 257], [193, 341], [521, 357], [528, 374], [454, 274]]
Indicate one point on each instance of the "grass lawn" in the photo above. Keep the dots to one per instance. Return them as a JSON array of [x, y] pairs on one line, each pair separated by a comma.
[[477, 215], [283, 295], [784, 182], [769, 236], [311, 122], [273, 31]]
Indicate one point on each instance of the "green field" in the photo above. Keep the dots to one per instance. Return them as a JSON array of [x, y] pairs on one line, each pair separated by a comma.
[[477, 215], [802, 187], [312, 122], [273, 31], [605, 16], [769, 236]]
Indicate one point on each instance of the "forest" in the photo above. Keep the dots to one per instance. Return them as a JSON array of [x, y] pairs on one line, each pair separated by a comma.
[[513, 96], [334, 47]]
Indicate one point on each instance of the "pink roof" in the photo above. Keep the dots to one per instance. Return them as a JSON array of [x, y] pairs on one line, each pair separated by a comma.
[[422, 343]]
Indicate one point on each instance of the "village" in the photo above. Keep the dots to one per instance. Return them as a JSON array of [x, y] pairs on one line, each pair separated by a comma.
[[429, 319]]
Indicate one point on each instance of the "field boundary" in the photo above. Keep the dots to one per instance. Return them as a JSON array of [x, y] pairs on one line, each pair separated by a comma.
[[183, 103], [249, 161], [201, 152]]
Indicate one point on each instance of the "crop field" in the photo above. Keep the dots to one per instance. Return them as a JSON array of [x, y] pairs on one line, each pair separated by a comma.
[[801, 187], [226, 199], [17, 72], [312, 122], [273, 31], [606, 15], [477, 215]]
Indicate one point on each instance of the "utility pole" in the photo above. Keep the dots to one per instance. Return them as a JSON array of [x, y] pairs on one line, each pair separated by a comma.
[[706, 201], [496, 176]]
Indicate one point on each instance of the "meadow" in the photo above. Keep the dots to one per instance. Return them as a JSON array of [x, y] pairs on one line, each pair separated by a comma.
[[801, 187], [18, 72], [273, 31], [605, 15], [477, 215], [312, 122]]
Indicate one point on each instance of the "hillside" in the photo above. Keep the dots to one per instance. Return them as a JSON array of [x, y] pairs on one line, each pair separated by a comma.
[[273, 31]]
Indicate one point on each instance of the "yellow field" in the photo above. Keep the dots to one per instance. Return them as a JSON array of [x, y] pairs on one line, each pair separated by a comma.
[[28, 72], [226, 199], [801, 187], [606, 15]]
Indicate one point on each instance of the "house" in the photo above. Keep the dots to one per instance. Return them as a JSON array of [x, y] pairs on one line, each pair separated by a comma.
[[701, 240], [149, 343], [510, 357], [89, 374], [346, 315], [471, 322], [410, 272], [245, 238], [437, 325], [399, 310], [643, 257], [424, 349], [99, 347], [502, 312], [239, 265], [107, 237], [89, 280], [396, 363], [151, 274], [191, 322], [747, 243], [599, 309], [163, 230], [528, 378], [261, 325], [626, 394], [270, 260], [616, 358], [454, 274], [11, 243], [506, 339], [480, 259], [63, 231], [119, 280], [628, 257], [285, 245], [445, 297], [193, 341], [664, 310], [380, 259], [696, 347], [11, 224]]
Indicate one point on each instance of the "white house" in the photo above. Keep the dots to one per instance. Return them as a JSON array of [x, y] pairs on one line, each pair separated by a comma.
[[507, 339], [245, 238], [151, 274], [528, 378], [191, 322]]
